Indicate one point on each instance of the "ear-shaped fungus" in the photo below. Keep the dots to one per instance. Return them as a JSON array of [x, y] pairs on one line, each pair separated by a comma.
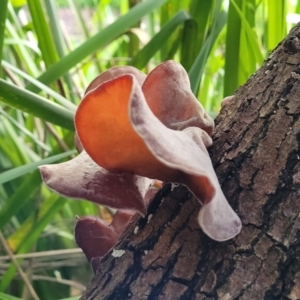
[[121, 219], [115, 72], [94, 236], [169, 96], [82, 178], [105, 131], [109, 74], [119, 131], [227, 100]]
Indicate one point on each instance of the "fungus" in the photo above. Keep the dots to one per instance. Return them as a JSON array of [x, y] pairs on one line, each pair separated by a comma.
[[169, 96], [138, 142], [114, 73], [227, 100], [82, 178], [131, 128], [95, 237], [121, 219]]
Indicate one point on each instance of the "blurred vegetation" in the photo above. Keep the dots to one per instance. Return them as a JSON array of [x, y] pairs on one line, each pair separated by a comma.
[[49, 52]]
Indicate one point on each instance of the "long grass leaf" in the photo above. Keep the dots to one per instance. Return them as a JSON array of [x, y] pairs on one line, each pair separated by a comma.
[[25, 130], [28, 241], [200, 11], [22, 52], [189, 50], [17, 151], [18, 41], [101, 39], [20, 197], [3, 13], [254, 43], [197, 68], [167, 11], [59, 42], [36, 105], [54, 23], [8, 297], [247, 61], [22, 170], [276, 22], [194, 31], [60, 99], [42, 31], [145, 54], [232, 49]]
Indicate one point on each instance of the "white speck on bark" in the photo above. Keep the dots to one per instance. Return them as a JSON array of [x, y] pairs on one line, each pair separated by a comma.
[[149, 218], [173, 186], [118, 253]]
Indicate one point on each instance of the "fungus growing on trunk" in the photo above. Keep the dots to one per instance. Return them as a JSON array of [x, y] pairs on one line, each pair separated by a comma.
[[132, 129], [82, 178], [139, 143], [95, 237], [169, 96]]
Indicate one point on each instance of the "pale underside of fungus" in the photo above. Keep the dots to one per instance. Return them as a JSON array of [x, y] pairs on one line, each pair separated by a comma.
[[133, 129]]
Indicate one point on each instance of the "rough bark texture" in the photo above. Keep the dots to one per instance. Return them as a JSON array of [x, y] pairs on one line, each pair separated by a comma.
[[257, 159]]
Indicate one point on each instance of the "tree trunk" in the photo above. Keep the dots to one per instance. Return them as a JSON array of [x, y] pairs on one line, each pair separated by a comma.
[[257, 160]]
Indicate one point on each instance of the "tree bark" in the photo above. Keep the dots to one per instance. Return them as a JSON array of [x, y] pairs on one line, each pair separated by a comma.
[[257, 160]]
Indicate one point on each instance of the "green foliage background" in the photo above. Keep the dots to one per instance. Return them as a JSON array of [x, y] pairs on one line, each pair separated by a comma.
[[44, 71]]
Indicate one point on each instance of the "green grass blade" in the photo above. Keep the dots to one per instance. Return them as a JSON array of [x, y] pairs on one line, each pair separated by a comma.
[[36, 105], [297, 7], [16, 149], [22, 170], [247, 60], [276, 23], [22, 52], [189, 50], [197, 68], [20, 197], [145, 54], [59, 98], [253, 40], [167, 11], [8, 297], [76, 9], [42, 31], [232, 49], [101, 39], [200, 11], [3, 13], [25, 130], [54, 23], [59, 42], [28, 241], [194, 31], [28, 232], [134, 42], [18, 41], [13, 17]]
